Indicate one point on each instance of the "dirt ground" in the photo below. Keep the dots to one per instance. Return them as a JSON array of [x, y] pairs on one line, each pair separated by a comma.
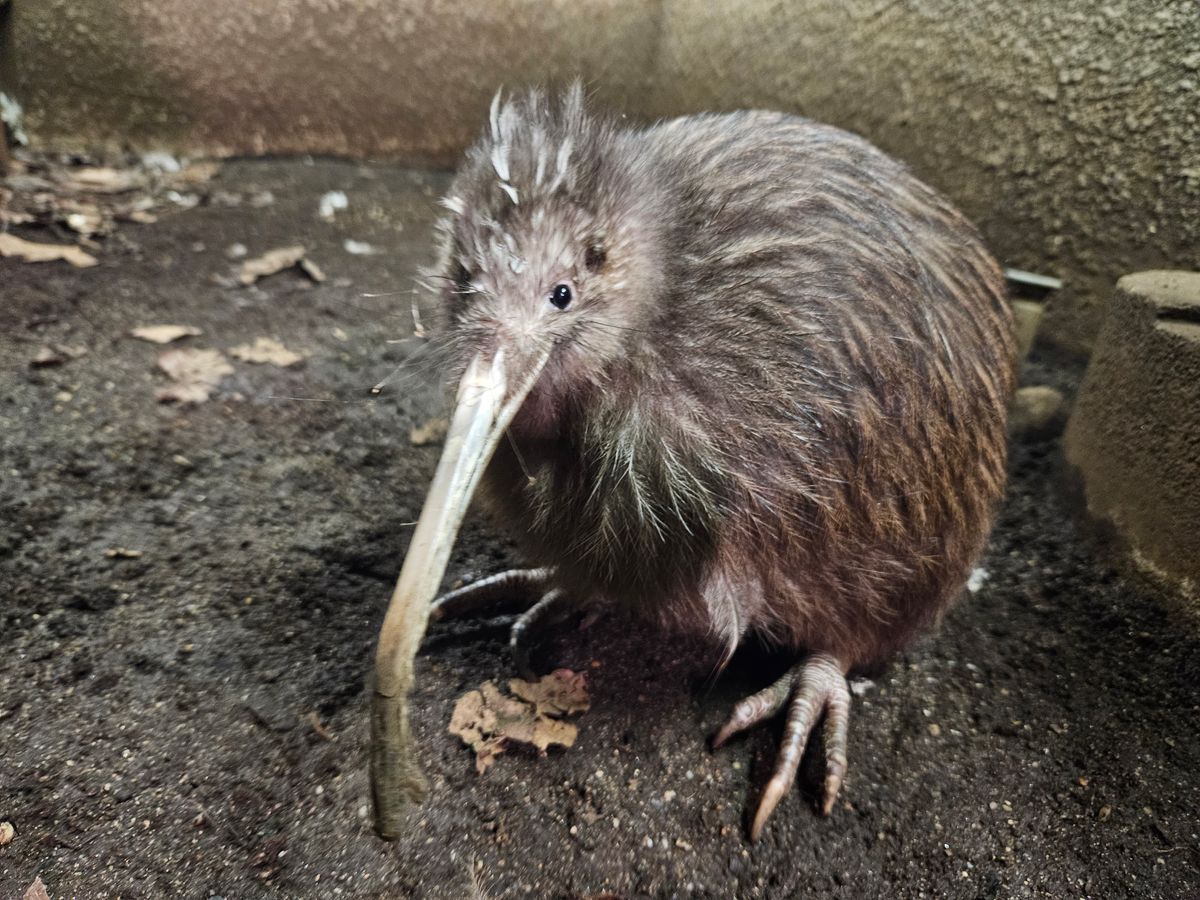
[[157, 712]]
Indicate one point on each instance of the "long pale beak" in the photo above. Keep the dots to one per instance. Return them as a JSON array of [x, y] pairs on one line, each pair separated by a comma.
[[489, 396]]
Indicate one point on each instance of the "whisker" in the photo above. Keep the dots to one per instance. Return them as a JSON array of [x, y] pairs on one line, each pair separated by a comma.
[[520, 459]]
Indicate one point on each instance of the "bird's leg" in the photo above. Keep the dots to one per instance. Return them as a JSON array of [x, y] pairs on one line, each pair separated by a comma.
[[523, 591], [815, 686], [512, 591], [552, 608]]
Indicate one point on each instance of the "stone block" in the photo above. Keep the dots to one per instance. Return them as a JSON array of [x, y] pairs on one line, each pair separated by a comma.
[[1134, 432]]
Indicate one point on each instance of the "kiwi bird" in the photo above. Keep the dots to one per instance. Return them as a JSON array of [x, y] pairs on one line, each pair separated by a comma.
[[738, 373]]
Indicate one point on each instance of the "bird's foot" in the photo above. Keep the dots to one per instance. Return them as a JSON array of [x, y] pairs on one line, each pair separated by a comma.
[[815, 686], [513, 591], [524, 591]]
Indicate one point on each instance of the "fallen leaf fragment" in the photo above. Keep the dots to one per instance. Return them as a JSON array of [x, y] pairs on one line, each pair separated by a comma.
[[561, 693], [164, 334], [7, 833], [36, 891], [104, 179], [122, 553], [266, 350], [56, 355], [430, 433], [196, 173], [276, 261], [11, 245], [195, 374], [321, 731], [489, 722], [312, 270]]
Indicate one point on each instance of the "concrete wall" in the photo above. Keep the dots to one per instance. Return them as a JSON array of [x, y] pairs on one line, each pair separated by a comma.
[[1068, 129]]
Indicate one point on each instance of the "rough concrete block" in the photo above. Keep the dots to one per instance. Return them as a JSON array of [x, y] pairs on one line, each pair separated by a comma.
[[1135, 429]]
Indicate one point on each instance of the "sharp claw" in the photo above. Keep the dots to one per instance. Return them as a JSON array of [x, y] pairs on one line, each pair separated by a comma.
[[833, 784], [772, 794]]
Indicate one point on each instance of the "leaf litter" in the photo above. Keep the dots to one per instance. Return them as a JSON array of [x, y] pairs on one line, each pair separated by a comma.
[[164, 334], [90, 199], [266, 350], [489, 722], [33, 252], [194, 373], [277, 260], [56, 355]]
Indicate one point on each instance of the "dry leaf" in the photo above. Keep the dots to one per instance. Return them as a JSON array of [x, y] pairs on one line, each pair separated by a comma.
[[7, 833], [11, 245], [266, 350], [122, 553], [56, 355], [488, 721], [269, 263], [430, 433], [83, 218], [196, 173], [195, 373], [312, 270], [36, 891], [164, 334], [561, 693], [104, 179], [141, 216]]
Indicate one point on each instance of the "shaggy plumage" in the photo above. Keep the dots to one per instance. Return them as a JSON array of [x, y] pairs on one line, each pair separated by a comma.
[[777, 401]]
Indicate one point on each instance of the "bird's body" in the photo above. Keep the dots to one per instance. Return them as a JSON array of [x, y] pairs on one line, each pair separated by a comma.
[[804, 437], [775, 400]]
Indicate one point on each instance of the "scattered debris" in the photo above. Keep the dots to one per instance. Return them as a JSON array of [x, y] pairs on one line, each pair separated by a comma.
[[104, 180], [164, 334], [432, 432], [322, 732], [36, 891], [357, 248], [7, 833], [561, 693], [159, 161], [976, 580], [12, 116], [276, 261], [195, 374], [312, 270], [860, 686], [87, 219], [489, 722], [122, 553], [91, 199], [11, 245], [236, 251], [331, 203], [56, 355], [266, 350], [1037, 412]]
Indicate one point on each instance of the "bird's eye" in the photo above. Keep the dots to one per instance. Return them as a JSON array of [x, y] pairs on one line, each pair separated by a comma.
[[561, 296]]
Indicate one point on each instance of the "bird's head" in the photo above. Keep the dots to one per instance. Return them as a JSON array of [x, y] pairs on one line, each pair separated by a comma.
[[551, 274]]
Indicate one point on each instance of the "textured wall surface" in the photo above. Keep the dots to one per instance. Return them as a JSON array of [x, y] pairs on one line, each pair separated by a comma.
[[1135, 428], [1068, 129]]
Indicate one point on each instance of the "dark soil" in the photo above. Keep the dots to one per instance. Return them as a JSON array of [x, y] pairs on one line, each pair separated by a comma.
[[156, 712]]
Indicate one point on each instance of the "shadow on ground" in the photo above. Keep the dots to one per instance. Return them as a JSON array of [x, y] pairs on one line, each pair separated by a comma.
[[157, 713]]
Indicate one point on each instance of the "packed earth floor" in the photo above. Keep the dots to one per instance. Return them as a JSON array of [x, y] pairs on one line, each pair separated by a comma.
[[191, 595]]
